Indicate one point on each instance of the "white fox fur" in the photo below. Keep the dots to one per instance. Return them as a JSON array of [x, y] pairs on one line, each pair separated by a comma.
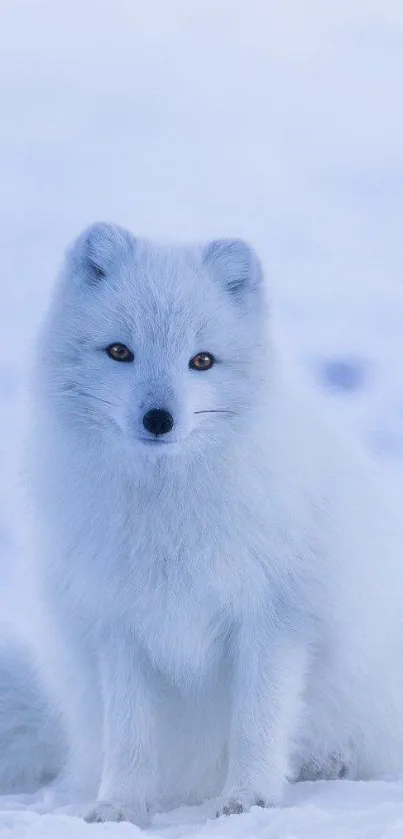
[[221, 609], [31, 738]]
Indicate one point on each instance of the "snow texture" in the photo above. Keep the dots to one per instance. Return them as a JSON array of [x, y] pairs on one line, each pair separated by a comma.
[[278, 122]]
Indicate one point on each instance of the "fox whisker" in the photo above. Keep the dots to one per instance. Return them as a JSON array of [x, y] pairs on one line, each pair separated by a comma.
[[215, 411]]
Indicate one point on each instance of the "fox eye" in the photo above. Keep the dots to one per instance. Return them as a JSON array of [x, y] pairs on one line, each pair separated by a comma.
[[201, 361], [119, 352]]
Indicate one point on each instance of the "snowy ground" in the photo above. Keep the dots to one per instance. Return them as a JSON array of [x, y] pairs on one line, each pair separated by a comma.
[[278, 121], [321, 810]]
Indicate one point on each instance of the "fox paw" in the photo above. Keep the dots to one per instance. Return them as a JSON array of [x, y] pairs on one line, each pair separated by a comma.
[[333, 768], [107, 811], [240, 801]]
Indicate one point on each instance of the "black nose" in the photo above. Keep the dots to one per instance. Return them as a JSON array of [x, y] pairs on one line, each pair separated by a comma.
[[158, 421]]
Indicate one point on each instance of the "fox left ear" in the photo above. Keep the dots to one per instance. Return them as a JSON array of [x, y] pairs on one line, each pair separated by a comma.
[[236, 265], [97, 249]]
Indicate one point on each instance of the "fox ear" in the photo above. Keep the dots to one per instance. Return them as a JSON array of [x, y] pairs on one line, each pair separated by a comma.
[[236, 265], [98, 248]]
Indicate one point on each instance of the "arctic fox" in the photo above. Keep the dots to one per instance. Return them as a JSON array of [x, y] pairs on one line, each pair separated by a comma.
[[219, 586]]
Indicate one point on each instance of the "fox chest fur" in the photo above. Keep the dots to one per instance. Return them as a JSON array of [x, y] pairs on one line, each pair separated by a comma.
[[175, 567]]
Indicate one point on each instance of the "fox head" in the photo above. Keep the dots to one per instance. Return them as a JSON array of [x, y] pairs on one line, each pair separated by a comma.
[[155, 347]]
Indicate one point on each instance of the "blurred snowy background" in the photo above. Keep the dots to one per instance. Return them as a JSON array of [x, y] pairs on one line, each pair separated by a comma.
[[278, 121]]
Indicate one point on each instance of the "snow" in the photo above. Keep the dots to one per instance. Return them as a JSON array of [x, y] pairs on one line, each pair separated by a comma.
[[320, 810], [280, 122]]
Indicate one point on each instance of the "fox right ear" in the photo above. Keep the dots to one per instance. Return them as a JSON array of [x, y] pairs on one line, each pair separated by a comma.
[[96, 250]]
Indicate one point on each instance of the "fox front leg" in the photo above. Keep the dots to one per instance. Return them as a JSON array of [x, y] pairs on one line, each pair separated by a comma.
[[127, 786], [268, 679]]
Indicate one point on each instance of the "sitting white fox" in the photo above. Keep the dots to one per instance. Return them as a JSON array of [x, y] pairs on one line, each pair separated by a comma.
[[220, 587]]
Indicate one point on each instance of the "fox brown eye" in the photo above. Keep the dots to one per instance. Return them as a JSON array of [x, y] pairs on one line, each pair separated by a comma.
[[201, 361], [119, 352]]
